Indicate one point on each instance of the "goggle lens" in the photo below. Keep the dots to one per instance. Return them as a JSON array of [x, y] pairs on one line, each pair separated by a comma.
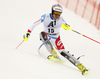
[[57, 13]]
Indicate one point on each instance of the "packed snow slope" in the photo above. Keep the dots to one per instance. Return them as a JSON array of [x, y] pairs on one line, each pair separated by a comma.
[[16, 16]]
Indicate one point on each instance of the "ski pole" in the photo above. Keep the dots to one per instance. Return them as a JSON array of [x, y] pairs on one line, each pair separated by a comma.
[[42, 45], [86, 36], [66, 27], [19, 44]]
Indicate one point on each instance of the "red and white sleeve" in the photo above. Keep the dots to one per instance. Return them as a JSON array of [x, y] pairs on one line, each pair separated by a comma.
[[33, 25]]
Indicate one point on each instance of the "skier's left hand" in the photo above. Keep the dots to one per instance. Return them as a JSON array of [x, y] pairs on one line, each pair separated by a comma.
[[66, 27]]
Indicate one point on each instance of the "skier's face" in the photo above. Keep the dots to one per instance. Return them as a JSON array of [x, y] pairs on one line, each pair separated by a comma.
[[55, 16]]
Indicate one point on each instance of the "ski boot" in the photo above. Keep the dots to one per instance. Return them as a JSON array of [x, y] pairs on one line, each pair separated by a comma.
[[53, 54], [82, 68], [54, 57]]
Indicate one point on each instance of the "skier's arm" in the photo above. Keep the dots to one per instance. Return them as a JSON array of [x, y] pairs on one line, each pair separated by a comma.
[[36, 23], [65, 25], [25, 37], [33, 25]]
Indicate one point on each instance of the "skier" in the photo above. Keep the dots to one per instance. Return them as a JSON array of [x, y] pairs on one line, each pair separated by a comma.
[[52, 24]]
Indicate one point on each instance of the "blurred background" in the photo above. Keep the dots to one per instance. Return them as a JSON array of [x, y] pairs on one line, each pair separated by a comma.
[[88, 9], [16, 16]]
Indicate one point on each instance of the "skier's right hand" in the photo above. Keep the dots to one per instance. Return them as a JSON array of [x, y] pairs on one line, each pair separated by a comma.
[[25, 37]]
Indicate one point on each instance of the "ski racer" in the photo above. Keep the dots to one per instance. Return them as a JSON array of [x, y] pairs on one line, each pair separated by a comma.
[[52, 25]]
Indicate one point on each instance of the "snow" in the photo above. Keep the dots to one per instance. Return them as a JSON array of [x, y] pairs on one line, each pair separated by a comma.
[[25, 63]]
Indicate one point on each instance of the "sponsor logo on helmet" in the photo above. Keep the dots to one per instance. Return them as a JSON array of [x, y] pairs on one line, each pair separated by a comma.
[[57, 9]]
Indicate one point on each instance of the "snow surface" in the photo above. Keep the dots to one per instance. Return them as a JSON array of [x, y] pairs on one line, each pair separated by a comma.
[[25, 62]]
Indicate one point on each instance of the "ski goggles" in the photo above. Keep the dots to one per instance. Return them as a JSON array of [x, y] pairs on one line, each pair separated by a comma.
[[57, 13]]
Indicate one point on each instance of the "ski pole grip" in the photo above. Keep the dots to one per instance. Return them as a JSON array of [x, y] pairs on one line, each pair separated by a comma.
[[66, 27]]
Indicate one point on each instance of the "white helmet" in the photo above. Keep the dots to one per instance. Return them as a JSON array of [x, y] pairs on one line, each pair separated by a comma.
[[57, 8]]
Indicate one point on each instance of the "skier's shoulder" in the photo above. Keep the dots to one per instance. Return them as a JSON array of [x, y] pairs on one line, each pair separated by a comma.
[[62, 18], [44, 16]]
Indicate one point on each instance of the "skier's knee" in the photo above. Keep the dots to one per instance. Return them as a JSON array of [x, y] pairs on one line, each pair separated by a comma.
[[43, 36]]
